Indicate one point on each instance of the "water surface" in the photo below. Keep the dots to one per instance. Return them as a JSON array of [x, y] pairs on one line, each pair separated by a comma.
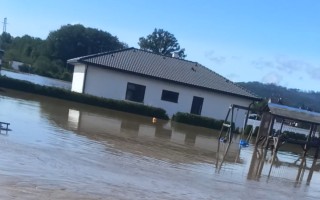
[[40, 80], [64, 150]]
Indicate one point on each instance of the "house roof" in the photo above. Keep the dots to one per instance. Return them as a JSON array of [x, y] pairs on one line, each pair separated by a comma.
[[177, 70], [294, 113]]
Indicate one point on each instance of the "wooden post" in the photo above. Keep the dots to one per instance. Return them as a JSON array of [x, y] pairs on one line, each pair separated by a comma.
[[231, 127], [313, 165], [225, 120], [306, 146], [270, 130]]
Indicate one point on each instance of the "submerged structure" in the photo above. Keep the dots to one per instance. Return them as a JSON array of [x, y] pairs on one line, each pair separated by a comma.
[[268, 137], [173, 84]]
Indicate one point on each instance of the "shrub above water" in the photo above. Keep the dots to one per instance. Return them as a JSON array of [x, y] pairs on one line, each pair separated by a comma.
[[197, 120]]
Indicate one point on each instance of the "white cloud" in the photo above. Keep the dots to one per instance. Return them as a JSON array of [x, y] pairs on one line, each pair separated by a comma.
[[262, 63], [285, 64], [272, 77], [232, 76], [288, 67], [215, 58], [314, 72], [282, 63]]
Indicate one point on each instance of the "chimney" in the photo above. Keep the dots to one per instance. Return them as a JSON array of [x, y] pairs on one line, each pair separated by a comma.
[[175, 55]]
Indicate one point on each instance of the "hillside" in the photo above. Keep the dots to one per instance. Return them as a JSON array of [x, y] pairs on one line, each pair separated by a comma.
[[290, 97]]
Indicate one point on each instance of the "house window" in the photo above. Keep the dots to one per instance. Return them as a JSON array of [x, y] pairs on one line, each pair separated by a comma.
[[135, 92], [169, 96], [196, 106]]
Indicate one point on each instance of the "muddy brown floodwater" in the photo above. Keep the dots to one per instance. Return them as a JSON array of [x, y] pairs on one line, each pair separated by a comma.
[[64, 150]]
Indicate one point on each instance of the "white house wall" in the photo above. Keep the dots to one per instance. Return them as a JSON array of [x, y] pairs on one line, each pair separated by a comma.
[[113, 84], [78, 78]]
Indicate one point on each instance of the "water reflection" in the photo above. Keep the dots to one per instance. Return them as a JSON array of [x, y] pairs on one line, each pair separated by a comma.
[[104, 125], [33, 78], [268, 164], [76, 127], [263, 162], [110, 123]]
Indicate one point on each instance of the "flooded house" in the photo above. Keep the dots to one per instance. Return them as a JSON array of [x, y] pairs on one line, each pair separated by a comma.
[[171, 83]]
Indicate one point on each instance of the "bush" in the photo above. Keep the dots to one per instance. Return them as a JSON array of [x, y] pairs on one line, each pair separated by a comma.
[[66, 76], [248, 128], [197, 120], [295, 136], [119, 105], [25, 68]]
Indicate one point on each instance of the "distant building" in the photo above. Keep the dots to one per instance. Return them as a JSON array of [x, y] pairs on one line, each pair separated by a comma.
[[15, 64], [173, 84]]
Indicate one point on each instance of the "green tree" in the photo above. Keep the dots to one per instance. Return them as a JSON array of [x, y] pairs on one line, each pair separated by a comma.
[[161, 42], [25, 49], [49, 57], [72, 41], [5, 40], [291, 97]]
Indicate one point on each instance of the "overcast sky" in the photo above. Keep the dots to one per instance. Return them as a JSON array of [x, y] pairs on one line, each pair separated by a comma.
[[270, 41]]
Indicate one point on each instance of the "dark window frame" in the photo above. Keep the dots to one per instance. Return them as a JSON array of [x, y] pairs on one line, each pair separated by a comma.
[[170, 96], [196, 106], [135, 92]]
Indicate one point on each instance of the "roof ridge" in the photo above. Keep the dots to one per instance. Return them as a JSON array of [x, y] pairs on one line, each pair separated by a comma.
[[128, 49], [104, 53], [143, 50]]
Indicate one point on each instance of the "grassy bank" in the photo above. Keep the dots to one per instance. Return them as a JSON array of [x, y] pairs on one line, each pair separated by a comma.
[[119, 105]]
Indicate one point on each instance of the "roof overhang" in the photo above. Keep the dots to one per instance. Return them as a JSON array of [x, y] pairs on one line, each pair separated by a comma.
[[76, 61], [294, 113]]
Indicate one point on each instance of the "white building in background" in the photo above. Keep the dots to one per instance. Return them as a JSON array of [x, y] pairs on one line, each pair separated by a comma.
[[15, 64], [173, 84]]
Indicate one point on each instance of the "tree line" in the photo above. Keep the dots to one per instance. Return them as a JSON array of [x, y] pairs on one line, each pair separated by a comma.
[[306, 100], [49, 57]]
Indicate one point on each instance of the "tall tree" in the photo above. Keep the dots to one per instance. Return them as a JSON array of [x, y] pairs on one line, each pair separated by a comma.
[[48, 57], [5, 40], [76, 40], [161, 42]]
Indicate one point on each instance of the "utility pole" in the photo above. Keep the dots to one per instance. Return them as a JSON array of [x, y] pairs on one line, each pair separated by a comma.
[[4, 25]]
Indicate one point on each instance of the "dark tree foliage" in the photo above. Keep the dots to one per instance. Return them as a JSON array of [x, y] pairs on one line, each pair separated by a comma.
[[308, 100], [5, 40], [161, 42], [25, 49], [49, 57], [72, 41]]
